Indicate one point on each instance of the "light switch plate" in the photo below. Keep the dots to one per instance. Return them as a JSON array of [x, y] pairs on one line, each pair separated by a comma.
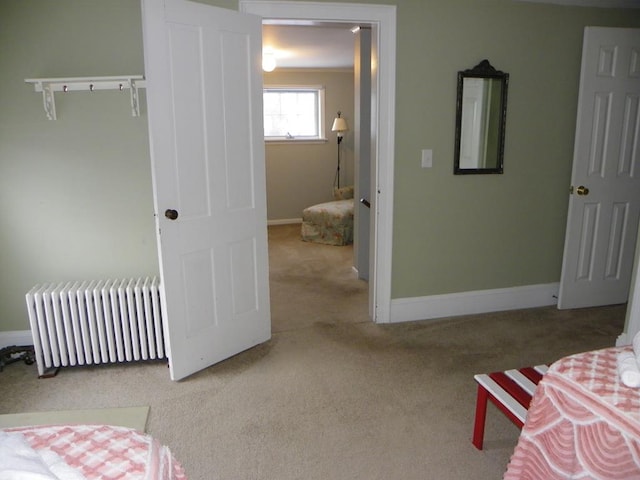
[[427, 158]]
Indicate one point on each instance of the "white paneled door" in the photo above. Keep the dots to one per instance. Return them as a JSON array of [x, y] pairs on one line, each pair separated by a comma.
[[604, 204], [204, 97]]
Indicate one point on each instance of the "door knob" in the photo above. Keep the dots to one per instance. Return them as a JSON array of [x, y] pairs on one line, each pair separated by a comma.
[[171, 214], [582, 190]]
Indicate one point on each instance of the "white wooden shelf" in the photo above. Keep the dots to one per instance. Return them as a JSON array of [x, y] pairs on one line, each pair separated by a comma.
[[50, 85]]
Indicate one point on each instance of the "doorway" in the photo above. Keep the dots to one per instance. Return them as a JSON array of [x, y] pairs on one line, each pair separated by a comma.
[[383, 20], [312, 282]]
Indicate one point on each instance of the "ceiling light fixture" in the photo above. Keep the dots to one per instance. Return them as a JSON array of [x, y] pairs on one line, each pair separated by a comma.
[[268, 60]]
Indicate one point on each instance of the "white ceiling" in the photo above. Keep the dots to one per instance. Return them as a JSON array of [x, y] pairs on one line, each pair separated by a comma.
[[331, 45], [310, 46]]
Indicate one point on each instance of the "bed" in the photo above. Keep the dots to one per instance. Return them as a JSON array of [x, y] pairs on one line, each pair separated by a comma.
[[84, 452], [330, 223], [583, 422]]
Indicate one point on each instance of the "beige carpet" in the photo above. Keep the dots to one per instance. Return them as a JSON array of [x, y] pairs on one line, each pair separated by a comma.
[[331, 396], [131, 417]]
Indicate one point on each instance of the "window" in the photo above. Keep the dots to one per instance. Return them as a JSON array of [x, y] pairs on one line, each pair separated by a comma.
[[293, 113]]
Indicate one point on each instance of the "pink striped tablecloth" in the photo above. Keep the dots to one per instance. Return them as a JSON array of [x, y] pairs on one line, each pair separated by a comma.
[[583, 422], [102, 452]]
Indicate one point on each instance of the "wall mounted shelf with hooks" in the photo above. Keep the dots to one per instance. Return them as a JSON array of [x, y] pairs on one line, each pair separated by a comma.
[[50, 85]]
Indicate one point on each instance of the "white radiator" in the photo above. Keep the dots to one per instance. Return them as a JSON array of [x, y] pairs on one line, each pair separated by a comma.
[[91, 322]]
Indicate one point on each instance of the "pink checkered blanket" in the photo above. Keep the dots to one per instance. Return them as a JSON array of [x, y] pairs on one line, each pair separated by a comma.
[[102, 452]]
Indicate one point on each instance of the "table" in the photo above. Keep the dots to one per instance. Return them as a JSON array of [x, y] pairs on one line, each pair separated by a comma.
[[583, 422]]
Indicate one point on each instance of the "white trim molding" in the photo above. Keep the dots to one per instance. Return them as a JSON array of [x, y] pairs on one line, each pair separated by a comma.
[[474, 302], [632, 320], [17, 337]]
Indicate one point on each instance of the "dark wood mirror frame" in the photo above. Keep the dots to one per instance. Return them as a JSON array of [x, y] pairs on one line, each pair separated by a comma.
[[481, 115]]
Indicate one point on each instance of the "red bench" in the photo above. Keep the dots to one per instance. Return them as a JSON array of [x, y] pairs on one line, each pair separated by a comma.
[[510, 391]]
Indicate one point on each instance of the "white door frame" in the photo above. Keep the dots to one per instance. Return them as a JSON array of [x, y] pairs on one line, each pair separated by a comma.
[[384, 17], [632, 320]]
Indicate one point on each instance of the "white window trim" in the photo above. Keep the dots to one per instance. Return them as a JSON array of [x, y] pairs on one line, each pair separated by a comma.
[[321, 138]]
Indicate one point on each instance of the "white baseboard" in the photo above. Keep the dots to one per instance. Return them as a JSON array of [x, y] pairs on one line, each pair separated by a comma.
[[284, 221], [423, 308], [21, 337], [469, 303]]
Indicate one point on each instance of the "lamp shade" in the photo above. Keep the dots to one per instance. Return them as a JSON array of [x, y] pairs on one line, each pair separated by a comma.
[[339, 125]]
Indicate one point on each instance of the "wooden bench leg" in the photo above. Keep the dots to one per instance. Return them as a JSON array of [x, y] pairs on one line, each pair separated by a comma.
[[511, 391], [481, 415]]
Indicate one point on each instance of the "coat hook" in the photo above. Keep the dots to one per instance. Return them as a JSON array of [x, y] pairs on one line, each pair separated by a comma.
[[121, 87], [91, 87], [65, 88]]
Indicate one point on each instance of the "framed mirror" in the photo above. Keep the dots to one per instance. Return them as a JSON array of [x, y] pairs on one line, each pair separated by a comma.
[[481, 113]]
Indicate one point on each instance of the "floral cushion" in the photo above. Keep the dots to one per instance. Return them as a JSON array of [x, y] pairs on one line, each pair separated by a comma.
[[330, 223], [343, 193]]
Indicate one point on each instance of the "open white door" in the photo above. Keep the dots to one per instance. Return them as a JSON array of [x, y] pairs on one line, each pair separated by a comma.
[[364, 151], [204, 97], [604, 205]]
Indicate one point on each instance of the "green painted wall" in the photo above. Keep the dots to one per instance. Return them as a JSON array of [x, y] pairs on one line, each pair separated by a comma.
[[77, 192], [461, 233]]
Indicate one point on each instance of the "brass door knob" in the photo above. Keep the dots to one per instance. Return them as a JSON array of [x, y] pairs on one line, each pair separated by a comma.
[[582, 190], [171, 214]]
